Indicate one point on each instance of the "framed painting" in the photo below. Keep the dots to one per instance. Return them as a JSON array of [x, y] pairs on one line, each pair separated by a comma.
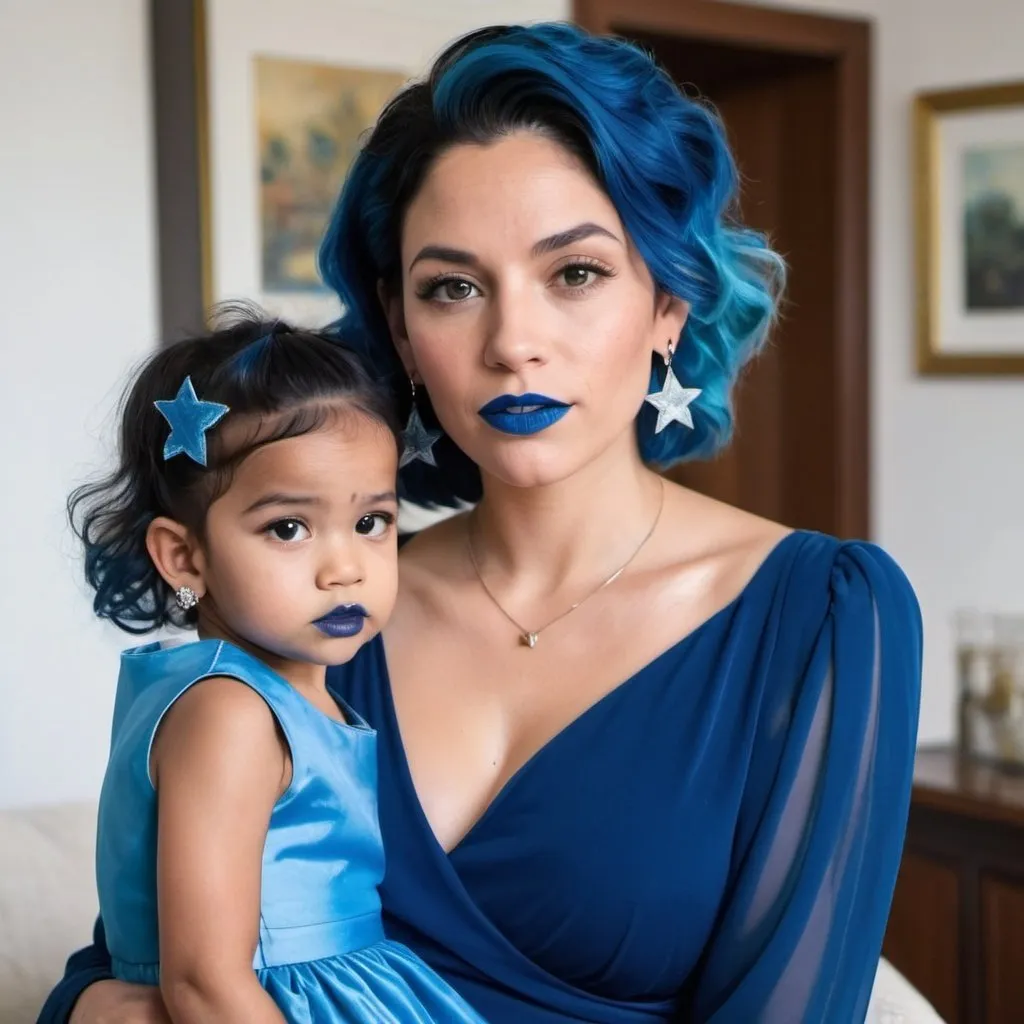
[[969, 179], [258, 118]]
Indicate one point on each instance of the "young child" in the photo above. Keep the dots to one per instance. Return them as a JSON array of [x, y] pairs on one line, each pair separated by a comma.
[[239, 854]]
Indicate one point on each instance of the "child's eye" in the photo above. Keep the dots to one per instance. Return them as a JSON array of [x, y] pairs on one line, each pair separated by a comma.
[[288, 530], [376, 524]]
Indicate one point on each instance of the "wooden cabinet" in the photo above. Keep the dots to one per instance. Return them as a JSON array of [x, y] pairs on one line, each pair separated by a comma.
[[956, 929]]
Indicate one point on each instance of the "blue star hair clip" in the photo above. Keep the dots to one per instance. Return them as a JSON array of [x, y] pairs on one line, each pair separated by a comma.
[[189, 419]]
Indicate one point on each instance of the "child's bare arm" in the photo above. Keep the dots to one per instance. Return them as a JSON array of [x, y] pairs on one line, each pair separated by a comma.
[[219, 764]]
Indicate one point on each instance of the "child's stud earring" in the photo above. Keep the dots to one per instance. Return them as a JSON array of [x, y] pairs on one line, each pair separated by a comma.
[[186, 598]]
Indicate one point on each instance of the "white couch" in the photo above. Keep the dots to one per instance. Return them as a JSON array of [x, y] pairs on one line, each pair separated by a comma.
[[47, 900], [48, 904]]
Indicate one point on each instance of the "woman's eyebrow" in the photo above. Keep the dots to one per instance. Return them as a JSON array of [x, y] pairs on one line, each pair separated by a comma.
[[559, 240], [571, 236], [445, 255]]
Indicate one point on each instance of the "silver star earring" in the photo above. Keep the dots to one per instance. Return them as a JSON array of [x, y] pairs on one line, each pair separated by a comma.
[[417, 441], [673, 400]]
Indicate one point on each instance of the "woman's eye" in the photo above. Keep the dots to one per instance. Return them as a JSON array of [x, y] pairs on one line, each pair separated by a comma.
[[450, 290], [577, 276], [374, 525], [288, 530]]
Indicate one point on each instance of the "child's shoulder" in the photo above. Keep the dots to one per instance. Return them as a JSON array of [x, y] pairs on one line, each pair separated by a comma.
[[155, 676], [224, 712], [172, 662]]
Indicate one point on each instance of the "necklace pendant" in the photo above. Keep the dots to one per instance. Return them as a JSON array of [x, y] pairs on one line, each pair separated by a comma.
[[528, 639]]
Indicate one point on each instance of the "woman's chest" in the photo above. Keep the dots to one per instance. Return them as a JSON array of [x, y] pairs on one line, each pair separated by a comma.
[[475, 705], [604, 859]]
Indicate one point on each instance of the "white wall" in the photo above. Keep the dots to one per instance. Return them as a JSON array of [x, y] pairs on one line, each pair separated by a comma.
[[77, 310], [954, 518], [77, 307]]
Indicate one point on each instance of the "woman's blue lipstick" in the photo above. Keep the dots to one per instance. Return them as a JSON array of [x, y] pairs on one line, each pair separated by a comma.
[[345, 620], [523, 414]]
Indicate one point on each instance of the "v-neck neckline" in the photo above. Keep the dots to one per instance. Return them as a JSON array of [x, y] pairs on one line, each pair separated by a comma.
[[402, 761]]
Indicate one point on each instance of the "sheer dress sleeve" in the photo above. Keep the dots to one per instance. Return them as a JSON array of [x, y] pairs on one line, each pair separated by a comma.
[[818, 845]]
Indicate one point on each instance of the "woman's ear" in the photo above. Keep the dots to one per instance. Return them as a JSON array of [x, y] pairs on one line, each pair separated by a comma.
[[175, 553], [670, 315], [394, 313]]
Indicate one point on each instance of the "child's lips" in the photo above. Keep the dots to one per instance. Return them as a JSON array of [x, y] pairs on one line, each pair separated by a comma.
[[342, 621]]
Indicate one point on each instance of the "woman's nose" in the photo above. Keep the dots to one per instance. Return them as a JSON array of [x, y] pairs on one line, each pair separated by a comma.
[[515, 334]]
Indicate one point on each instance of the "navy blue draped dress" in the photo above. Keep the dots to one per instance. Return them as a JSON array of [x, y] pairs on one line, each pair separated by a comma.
[[715, 841]]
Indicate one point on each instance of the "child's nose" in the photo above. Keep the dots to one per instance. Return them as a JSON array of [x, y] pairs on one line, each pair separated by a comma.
[[341, 567]]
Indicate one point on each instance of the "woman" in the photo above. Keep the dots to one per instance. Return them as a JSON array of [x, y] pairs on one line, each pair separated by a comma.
[[644, 757]]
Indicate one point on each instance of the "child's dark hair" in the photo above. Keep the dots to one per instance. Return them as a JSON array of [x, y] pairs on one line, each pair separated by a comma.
[[279, 380]]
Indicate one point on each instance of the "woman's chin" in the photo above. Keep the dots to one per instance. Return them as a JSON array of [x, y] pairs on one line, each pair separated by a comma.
[[550, 457], [529, 469]]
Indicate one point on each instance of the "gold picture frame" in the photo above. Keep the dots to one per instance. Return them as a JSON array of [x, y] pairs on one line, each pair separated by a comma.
[[964, 328]]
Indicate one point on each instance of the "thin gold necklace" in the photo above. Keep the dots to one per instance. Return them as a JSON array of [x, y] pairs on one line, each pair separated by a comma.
[[529, 637]]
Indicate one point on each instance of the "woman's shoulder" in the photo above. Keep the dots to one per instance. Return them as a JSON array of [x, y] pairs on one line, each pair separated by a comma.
[[816, 592], [845, 576], [798, 577], [743, 544], [817, 607]]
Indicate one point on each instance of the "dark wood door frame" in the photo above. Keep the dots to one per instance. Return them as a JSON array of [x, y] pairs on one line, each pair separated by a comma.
[[847, 43]]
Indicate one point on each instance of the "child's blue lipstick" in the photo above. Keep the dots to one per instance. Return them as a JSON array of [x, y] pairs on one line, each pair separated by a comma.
[[523, 414], [345, 620]]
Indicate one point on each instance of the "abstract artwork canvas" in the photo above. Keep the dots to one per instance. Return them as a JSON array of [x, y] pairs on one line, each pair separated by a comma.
[[310, 120], [259, 112]]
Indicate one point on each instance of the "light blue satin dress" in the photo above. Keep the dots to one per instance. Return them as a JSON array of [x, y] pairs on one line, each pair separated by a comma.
[[322, 954]]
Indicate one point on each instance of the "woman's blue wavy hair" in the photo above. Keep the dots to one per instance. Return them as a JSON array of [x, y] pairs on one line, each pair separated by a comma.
[[662, 159]]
